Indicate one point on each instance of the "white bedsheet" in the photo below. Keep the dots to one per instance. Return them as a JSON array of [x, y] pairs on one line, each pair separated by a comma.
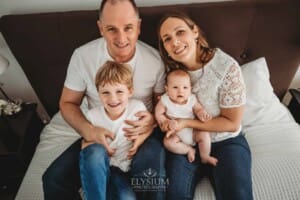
[[275, 156], [275, 150], [55, 138]]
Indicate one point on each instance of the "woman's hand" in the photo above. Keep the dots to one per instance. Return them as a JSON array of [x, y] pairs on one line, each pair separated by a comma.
[[175, 126], [164, 126], [143, 125]]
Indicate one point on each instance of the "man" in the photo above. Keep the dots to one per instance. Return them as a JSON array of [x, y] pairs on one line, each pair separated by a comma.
[[119, 24]]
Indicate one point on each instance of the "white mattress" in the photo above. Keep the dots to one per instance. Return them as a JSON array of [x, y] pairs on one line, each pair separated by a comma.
[[275, 152], [55, 138]]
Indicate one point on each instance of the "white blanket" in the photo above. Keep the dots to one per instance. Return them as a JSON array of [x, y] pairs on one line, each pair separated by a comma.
[[275, 153]]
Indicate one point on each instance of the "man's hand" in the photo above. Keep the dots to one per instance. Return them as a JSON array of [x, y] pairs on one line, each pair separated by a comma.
[[137, 143], [143, 125], [99, 135]]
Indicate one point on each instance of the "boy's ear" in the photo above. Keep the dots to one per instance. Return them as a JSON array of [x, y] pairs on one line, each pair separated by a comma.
[[130, 92]]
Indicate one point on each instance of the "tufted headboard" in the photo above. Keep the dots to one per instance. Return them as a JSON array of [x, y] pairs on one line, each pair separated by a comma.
[[43, 42]]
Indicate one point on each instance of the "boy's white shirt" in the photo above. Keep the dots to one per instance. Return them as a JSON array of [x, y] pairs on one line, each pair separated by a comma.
[[98, 117]]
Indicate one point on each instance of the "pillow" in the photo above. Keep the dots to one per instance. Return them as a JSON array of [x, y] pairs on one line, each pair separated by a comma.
[[262, 105]]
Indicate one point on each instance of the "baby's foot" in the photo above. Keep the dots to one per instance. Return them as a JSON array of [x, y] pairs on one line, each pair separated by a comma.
[[209, 160], [191, 154]]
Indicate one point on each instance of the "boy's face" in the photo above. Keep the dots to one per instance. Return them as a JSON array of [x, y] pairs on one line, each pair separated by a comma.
[[114, 98], [178, 88]]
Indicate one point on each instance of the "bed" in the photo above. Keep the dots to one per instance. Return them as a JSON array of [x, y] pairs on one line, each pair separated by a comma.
[[263, 36]]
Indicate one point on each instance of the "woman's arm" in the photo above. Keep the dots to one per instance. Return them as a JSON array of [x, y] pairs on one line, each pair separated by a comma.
[[229, 120]]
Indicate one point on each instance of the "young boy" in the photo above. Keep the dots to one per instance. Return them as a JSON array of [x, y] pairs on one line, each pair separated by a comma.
[[179, 102], [114, 84]]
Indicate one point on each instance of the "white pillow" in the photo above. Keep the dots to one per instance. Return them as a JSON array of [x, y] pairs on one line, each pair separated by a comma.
[[262, 105]]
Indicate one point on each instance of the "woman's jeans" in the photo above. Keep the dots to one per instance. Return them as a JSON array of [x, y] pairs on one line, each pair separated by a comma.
[[231, 178], [62, 180]]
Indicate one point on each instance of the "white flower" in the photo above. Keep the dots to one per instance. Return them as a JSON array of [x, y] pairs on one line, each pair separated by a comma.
[[10, 107], [2, 103]]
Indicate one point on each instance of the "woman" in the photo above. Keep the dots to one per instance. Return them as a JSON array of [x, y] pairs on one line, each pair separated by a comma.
[[218, 84]]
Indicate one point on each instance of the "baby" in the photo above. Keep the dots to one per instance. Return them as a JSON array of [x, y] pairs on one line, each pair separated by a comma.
[[179, 102]]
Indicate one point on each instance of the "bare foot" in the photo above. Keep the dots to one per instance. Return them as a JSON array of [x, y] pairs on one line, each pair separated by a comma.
[[210, 160], [191, 154]]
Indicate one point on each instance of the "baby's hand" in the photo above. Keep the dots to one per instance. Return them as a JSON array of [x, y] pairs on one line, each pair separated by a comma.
[[203, 115]]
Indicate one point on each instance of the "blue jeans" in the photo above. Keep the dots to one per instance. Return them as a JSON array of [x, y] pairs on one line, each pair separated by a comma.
[[231, 178], [62, 180], [99, 180]]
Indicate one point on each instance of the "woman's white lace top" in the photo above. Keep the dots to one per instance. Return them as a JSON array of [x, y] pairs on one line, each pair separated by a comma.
[[219, 84]]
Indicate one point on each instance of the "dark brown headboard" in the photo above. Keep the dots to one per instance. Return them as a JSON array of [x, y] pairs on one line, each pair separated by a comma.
[[43, 43]]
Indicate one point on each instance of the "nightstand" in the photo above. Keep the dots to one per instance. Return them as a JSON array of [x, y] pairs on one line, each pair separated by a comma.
[[19, 135], [294, 105]]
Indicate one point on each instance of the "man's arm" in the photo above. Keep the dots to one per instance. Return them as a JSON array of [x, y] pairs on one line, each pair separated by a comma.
[[69, 104]]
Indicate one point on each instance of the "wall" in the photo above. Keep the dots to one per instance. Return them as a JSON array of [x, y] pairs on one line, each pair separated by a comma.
[[15, 82]]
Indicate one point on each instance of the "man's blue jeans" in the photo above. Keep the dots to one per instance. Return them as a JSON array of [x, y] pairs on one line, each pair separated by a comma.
[[62, 181], [231, 178]]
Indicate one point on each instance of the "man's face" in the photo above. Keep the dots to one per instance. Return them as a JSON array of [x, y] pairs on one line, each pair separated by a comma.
[[120, 27]]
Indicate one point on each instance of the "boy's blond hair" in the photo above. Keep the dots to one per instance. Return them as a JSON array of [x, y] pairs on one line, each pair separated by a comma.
[[112, 72]]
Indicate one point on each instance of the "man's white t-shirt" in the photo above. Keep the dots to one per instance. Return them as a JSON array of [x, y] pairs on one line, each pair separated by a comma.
[[98, 117], [148, 71]]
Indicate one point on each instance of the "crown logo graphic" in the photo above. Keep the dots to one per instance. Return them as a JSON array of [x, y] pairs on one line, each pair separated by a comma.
[[150, 173]]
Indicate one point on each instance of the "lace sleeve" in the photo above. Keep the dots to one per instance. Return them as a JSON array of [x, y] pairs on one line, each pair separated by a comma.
[[232, 92]]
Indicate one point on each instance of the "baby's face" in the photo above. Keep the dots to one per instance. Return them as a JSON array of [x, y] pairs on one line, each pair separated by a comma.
[[178, 88]]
